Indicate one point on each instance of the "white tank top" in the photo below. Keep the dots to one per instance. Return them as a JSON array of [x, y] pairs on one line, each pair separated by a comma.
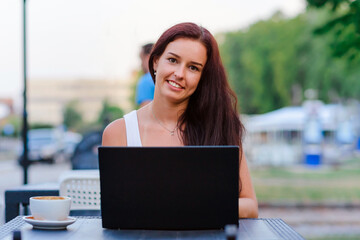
[[132, 130]]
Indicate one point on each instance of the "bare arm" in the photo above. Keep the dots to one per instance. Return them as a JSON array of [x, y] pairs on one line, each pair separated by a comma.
[[248, 205], [115, 134]]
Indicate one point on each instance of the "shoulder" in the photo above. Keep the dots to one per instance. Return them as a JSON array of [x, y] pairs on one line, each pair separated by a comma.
[[115, 134]]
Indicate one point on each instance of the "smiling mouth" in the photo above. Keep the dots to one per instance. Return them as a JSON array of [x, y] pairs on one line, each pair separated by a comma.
[[174, 84]]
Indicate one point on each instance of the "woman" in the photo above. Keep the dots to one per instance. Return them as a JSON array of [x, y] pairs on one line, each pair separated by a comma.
[[193, 103]]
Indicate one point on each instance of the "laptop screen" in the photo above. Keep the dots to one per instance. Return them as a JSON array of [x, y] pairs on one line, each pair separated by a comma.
[[191, 187]]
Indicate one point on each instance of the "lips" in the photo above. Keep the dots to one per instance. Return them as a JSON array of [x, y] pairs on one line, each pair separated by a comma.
[[174, 84]]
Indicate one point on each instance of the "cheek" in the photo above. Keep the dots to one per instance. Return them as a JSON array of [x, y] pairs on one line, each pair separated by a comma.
[[196, 80], [162, 69], [194, 84]]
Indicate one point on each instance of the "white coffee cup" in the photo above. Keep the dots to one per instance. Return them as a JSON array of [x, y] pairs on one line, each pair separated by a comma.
[[51, 208]]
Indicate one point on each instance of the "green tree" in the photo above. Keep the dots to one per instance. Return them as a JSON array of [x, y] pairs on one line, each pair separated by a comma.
[[344, 25], [109, 112], [272, 61], [37, 125], [72, 117], [264, 62], [15, 121]]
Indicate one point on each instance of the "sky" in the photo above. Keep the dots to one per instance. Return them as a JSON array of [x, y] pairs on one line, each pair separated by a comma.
[[101, 39]]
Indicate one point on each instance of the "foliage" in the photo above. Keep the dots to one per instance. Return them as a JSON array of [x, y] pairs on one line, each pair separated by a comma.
[[87, 127], [72, 116], [344, 24], [271, 63], [109, 113], [74, 120], [41, 125], [13, 120]]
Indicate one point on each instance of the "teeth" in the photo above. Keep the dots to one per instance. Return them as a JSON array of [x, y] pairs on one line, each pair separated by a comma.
[[174, 84]]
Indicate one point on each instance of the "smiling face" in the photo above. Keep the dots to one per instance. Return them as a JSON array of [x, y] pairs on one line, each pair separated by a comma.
[[179, 69]]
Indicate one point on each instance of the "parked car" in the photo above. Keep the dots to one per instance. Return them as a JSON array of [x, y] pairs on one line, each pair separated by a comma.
[[69, 143], [50, 145], [86, 152], [43, 145]]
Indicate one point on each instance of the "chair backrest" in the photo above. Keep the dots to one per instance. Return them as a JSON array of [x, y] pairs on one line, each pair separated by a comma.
[[83, 187]]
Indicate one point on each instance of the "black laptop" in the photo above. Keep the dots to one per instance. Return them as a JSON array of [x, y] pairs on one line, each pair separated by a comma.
[[169, 188]]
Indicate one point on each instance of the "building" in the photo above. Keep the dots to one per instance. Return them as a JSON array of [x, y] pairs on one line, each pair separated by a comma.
[[47, 98], [287, 135]]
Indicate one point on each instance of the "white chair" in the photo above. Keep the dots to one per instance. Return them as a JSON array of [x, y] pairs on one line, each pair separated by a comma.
[[83, 187]]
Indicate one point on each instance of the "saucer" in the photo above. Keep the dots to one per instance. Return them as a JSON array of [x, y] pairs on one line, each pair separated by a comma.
[[51, 225]]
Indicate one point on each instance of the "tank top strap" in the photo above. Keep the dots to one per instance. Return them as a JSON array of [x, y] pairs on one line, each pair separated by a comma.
[[132, 129]]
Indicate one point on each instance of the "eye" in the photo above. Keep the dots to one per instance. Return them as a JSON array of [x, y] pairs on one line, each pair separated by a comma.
[[172, 60], [193, 68]]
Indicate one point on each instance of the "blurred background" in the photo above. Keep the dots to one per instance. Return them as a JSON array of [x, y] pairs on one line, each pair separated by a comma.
[[294, 65]]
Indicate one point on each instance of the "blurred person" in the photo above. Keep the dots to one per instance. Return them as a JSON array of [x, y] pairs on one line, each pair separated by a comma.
[[193, 104], [145, 86]]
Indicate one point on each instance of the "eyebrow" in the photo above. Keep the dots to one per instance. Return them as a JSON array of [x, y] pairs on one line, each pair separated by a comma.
[[196, 63]]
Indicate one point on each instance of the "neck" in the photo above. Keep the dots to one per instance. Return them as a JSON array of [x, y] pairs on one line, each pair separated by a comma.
[[166, 116], [167, 113]]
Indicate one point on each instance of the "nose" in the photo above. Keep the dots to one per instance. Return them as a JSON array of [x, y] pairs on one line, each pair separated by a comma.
[[179, 72]]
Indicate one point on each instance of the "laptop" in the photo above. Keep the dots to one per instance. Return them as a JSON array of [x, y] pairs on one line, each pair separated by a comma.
[[169, 188]]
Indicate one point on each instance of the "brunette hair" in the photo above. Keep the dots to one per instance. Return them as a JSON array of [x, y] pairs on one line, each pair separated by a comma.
[[211, 117]]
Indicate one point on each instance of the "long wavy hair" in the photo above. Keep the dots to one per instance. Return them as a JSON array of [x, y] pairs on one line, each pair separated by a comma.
[[211, 117]]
